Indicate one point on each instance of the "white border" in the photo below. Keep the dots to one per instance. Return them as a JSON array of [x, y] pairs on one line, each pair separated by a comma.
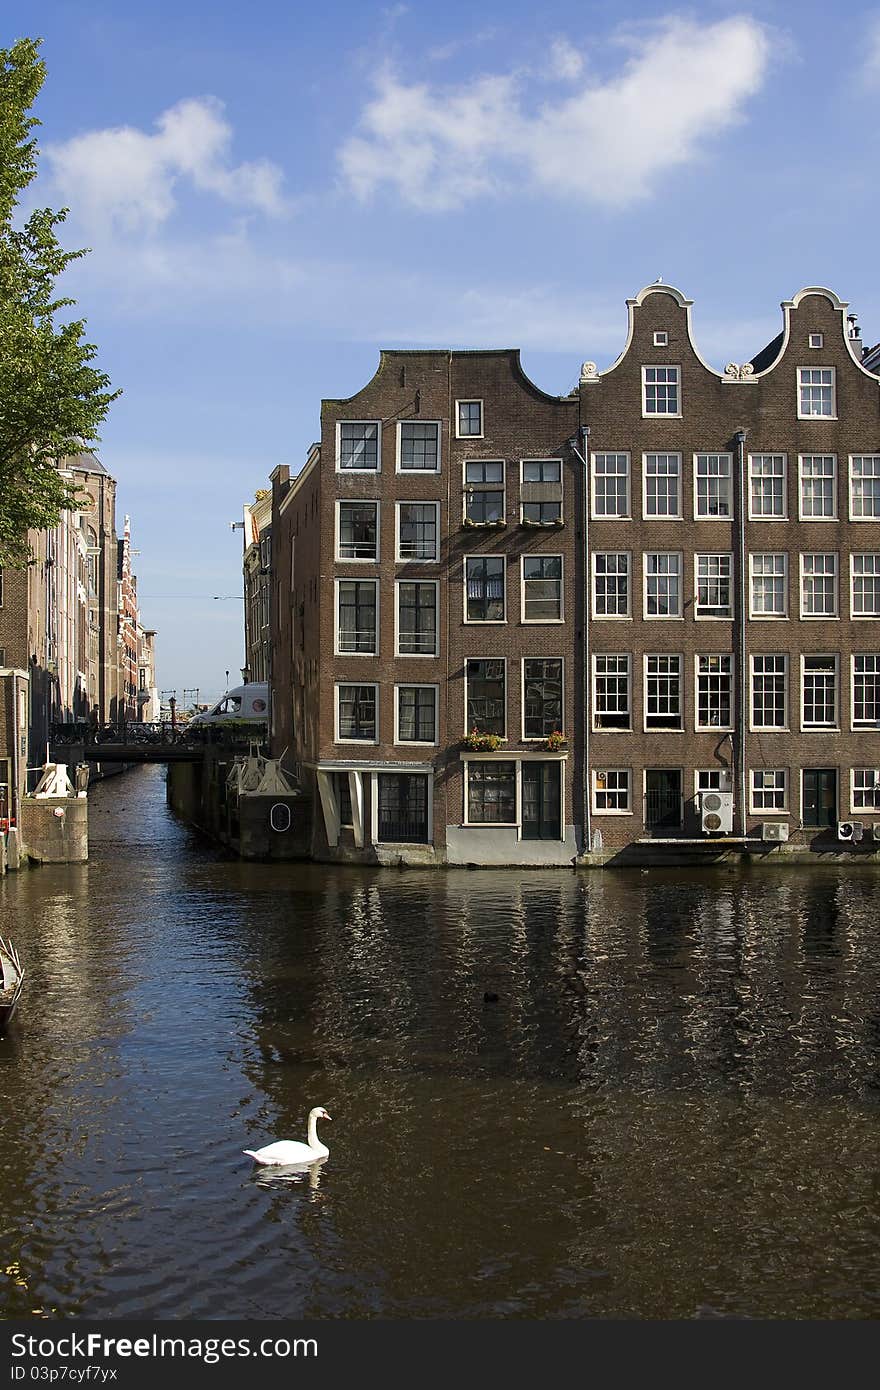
[[417, 656], [541, 555], [613, 617], [712, 728], [666, 367], [486, 657], [819, 617], [483, 622], [414, 559], [611, 516], [712, 617], [538, 738], [370, 472], [357, 559], [858, 519], [854, 555], [682, 693], [769, 617], [755, 516], [620, 729], [818, 367], [663, 617], [800, 486], [713, 454], [662, 516], [471, 400], [416, 742], [358, 742], [604, 810], [353, 579], [786, 676], [785, 809], [418, 472], [821, 728]]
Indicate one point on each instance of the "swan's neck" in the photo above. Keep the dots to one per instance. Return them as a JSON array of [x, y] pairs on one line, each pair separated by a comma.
[[313, 1131]]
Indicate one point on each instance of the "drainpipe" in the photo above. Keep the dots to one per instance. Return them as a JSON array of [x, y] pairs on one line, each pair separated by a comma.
[[741, 589], [585, 672]]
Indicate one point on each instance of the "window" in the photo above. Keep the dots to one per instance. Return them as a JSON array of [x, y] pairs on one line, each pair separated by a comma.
[[542, 513], [611, 584], [712, 779], [817, 340], [818, 487], [356, 713], [541, 491], [769, 585], [767, 490], [469, 419], [819, 586], [769, 789], [819, 690], [418, 531], [816, 392], [714, 692], [864, 487], [357, 531], [357, 628], [866, 690], [486, 696], [713, 586], [612, 701], [712, 491], [865, 571], [660, 393], [661, 338], [866, 789], [663, 584], [663, 702], [342, 791], [612, 790], [416, 714], [542, 696], [542, 588], [417, 617], [661, 479], [484, 589], [491, 793], [484, 491], [770, 692], [357, 445], [542, 470], [402, 808], [418, 446], [610, 485]]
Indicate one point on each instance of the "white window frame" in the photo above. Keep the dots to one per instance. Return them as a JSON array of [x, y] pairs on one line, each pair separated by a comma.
[[517, 794], [358, 502], [594, 790], [613, 617], [541, 555], [754, 615], [864, 724], [469, 400], [626, 475], [661, 338], [354, 579], [410, 559], [479, 656], [663, 728], [711, 728], [819, 617], [417, 656], [713, 454], [370, 472], [821, 728], [817, 340], [468, 488], [594, 699], [802, 385], [871, 771], [769, 516], [851, 460], [712, 779], [754, 808], [661, 367], [539, 738], [416, 742], [663, 617], [801, 460], [874, 555], [717, 555], [785, 726], [417, 472], [357, 742], [483, 622], [662, 516]]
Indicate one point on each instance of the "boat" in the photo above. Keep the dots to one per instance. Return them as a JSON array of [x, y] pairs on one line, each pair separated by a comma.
[[11, 978]]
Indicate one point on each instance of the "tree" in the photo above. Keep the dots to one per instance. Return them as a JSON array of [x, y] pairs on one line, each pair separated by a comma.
[[51, 398]]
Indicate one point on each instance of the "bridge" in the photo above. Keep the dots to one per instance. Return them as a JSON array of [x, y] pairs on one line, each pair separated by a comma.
[[130, 742]]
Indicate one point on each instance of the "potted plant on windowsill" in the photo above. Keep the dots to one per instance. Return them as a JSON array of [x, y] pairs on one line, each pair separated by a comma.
[[555, 741], [479, 742], [498, 521]]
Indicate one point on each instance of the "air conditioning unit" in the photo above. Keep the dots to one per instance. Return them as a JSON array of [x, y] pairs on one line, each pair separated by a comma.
[[849, 831], [716, 813], [774, 830]]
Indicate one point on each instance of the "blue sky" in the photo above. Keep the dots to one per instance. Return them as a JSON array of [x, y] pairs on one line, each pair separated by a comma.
[[273, 192]]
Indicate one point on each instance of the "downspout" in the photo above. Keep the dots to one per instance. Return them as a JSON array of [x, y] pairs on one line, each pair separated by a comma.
[[585, 669], [741, 718]]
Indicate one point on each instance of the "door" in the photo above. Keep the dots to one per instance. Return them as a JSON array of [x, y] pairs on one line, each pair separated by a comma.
[[663, 798], [403, 808], [541, 808], [820, 797]]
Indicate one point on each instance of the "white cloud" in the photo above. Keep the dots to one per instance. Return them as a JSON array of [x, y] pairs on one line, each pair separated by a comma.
[[871, 58], [124, 179], [683, 83], [564, 60]]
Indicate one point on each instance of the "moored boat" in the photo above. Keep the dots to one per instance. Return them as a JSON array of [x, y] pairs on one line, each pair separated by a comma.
[[11, 978]]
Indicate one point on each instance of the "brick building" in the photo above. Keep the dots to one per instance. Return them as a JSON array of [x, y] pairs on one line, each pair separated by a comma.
[[703, 632], [256, 572]]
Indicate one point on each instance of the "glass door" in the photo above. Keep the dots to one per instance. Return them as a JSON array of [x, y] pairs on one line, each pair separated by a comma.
[[541, 801]]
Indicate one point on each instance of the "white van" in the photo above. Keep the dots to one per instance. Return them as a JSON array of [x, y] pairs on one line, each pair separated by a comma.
[[246, 702]]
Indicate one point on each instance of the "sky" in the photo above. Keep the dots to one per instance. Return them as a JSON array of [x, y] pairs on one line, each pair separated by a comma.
[[274, 192]]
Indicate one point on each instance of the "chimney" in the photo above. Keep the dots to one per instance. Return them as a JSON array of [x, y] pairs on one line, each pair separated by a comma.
[[855, 336]]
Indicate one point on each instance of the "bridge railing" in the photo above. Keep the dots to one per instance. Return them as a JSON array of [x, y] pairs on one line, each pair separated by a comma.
[[131, 732]]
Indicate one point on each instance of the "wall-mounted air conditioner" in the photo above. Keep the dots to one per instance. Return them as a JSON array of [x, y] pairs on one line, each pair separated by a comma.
[[849, 831], [716, 813], [774, 830]]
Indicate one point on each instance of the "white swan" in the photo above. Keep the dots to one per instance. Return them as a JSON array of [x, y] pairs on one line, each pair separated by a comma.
[[286, 1151]]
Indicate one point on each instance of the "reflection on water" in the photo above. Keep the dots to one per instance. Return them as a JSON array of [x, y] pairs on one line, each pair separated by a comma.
[[644, 1094]]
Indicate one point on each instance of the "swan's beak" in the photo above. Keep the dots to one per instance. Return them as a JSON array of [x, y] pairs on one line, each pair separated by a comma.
[[325, 1116]]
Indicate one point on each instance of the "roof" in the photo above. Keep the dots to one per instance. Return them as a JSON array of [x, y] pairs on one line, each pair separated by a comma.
[[86, 462]]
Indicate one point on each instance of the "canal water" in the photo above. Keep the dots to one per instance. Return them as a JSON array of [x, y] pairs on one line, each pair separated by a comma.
[[554, 1094]]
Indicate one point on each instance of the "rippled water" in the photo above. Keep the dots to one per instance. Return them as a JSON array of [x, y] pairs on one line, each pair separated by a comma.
[[555, 1094]]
